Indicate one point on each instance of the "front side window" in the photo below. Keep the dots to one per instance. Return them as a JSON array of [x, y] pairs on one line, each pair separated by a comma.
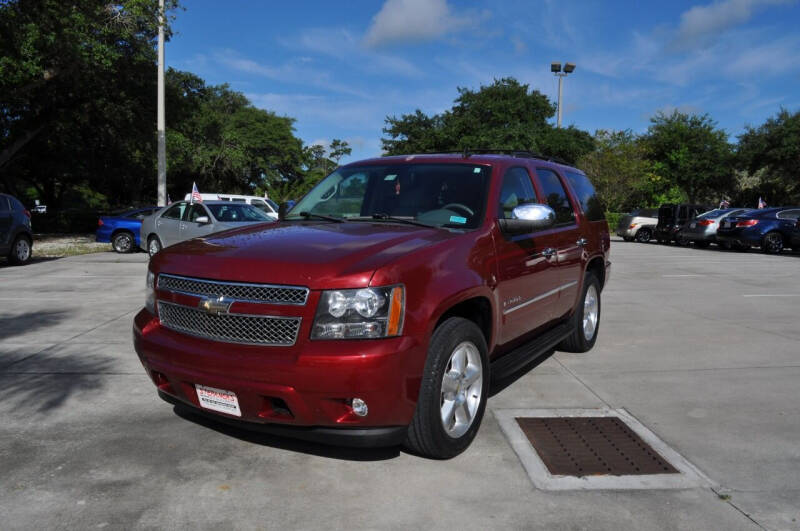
[[441, 195], [235, 212], [587, 197], [175, 211], [195, 211], [556, 197], [517, 189]]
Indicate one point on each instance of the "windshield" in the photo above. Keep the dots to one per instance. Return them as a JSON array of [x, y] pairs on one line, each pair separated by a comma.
[[443, 195], [236, 212]]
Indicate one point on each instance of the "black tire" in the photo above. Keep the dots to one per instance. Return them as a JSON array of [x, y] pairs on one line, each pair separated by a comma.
[[21, 250], [680, 240], [772, 242], [153, 245], [577, 341], [123, 242], [643, 235], [426, 433]]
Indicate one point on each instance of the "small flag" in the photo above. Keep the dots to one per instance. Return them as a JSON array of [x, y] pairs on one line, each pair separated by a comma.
[[169, 200], [761, 203], [196, 194]]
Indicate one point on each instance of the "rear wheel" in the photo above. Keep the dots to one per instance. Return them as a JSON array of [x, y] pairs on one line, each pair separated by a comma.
[[644, 235], [153, 246], [772, 243], [122, 242], [586, 319], [20, 251], [453, 393], [681, 240]]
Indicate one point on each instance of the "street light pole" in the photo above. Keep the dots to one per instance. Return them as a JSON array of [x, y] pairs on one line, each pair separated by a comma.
[[556, 69], [162, 141]]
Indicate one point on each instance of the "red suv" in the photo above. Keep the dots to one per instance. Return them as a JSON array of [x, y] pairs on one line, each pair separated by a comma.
[[377, 310]]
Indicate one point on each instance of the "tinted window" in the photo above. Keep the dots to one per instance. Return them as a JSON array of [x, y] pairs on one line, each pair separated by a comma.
[[517, 189], [4, 204], [195, 211], [789, 214], [587, 197], [236, 212], [556, 197], [175, 211]]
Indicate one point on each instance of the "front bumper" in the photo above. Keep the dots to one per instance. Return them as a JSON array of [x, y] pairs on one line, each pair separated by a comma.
[[300, 391]]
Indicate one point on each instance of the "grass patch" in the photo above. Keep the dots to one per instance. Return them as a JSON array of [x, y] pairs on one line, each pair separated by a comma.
[[60, 245]]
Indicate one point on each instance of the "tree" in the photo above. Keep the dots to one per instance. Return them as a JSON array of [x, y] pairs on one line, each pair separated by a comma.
[[503, 115], [339, 149], [691, 153], [770, 154], [75, 80]]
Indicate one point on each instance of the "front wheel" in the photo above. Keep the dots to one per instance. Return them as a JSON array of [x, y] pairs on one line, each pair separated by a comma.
[[586, 319], [453, 392], [153, 246]]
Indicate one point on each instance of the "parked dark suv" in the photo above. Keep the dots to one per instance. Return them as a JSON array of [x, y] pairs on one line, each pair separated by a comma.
[[16, 238], [376, 311], [672, 218]]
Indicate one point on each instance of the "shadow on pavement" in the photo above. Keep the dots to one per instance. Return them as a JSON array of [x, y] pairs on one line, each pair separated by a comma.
[[46, 381], [344, 453], [14, 325]]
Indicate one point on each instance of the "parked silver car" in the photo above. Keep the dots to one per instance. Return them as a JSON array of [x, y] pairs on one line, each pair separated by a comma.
[[702, 230], [638, 225], [185, 220]]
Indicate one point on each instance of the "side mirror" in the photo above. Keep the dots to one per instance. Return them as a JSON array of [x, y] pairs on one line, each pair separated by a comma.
[[282, 210], [202, 220], [528, 218]]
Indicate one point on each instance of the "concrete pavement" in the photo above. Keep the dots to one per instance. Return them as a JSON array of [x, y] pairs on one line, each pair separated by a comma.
[[701, 346]]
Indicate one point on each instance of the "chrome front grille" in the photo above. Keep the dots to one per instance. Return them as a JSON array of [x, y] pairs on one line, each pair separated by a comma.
[[230, 328], [265, 293]]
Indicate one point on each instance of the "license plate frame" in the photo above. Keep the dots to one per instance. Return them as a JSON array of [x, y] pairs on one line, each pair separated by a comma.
[[218, 400]]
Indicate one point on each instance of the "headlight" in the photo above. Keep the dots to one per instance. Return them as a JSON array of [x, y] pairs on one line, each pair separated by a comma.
[[360, 313], [150, 295]]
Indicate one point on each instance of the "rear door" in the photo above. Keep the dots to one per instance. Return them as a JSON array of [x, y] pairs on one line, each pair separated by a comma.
[[6, 221], [190, 228], [567, 236], [527, 280], [168, 224]]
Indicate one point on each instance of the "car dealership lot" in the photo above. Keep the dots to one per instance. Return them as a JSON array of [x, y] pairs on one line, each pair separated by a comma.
[[700, 346]]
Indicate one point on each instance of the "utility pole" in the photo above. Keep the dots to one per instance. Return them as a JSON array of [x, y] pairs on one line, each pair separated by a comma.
[[162, 140], [556, 69]]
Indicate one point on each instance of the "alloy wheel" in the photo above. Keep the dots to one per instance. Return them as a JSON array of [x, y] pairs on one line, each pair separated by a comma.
[[153, 247], [590, 313], [22, 250], [123, 243], [462, 386], [773, 243]]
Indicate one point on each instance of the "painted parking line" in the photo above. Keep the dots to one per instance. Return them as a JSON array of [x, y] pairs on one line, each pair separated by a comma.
[[681, 276], [773, 295]]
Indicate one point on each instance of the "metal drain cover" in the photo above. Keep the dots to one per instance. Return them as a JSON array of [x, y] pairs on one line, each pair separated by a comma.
[[591, 446]]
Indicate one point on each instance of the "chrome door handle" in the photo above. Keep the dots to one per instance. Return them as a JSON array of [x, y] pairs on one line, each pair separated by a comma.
[[581, 242], [549, 252]]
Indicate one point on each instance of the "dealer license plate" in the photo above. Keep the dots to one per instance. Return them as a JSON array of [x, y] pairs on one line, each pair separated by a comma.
[[218, 400]]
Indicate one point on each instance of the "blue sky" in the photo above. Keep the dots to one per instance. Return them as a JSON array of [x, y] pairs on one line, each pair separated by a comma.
[[339, 68]]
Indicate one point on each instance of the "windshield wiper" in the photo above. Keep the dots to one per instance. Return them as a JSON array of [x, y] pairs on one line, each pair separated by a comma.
[[308, 215], [386, 217]]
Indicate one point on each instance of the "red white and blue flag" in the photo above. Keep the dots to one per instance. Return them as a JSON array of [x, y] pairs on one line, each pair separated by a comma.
[[196, 194], [761, 203]]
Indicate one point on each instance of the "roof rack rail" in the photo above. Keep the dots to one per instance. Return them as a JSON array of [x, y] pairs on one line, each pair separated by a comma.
[[519, 153]]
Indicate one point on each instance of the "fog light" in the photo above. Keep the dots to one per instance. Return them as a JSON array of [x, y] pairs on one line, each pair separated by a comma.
[[359, 407]]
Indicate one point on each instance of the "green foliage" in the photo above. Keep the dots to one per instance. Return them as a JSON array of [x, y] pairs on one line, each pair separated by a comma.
[[771, 154], [692, 154], [503, 115], [613, 219]]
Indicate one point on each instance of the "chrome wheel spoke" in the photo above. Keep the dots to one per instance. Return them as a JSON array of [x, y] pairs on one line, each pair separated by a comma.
[[450, 383], [448, 413], [471, 375]]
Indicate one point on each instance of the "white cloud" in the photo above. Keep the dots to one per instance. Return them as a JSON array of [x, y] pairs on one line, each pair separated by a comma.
[[701, 23], [401, 21]]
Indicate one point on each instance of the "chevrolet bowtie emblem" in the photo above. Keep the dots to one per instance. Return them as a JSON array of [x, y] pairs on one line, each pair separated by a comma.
[[215, 306]]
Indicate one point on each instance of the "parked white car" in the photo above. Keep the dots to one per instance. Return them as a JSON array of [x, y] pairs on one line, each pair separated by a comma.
[[269, 206]]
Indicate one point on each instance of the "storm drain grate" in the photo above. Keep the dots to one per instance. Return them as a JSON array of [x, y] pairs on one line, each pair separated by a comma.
[[591, 446]]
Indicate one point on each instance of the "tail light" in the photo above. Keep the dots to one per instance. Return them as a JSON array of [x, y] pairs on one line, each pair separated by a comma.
[[705, 222], [27, 213], [632, 226], [100, 222], [747, 223]]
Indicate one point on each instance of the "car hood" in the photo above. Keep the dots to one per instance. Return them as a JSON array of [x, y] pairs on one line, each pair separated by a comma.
[[318, 255]]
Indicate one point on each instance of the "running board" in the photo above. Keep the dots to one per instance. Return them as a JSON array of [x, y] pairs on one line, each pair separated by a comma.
[[523, 355]]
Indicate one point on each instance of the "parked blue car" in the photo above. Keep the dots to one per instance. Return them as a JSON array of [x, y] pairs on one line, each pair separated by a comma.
[[770, 229], [122, 230]]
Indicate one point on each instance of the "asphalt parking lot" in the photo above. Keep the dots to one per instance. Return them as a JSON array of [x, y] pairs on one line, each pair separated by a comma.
[[700, 346]]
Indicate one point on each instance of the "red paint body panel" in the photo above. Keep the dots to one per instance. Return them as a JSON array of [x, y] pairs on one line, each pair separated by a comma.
[[438, 269]]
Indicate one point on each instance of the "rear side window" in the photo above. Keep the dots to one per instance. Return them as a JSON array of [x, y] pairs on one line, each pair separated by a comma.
[[4, 206], [590, 204], [556, 197], [174, 212], [789, 214], [517, 189]]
